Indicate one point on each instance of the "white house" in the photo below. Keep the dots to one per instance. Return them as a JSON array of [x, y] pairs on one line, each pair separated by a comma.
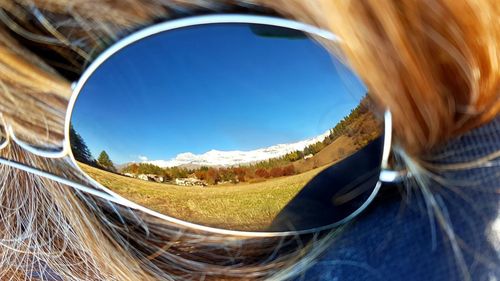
[[150, 177], [189, 182], [155, 178], [308, 156]]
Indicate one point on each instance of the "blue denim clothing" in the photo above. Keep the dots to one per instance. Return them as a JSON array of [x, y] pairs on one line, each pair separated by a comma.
[[396, 239]]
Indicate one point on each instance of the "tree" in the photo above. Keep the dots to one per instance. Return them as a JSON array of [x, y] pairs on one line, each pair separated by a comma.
[[201, 175], [144, 168], [79, 148], [289, 170], [177, 173], [166, 176], [105, 162], [276, 172], [134, 168], [213, 176], [262, 173], [240, 173], [227, 175]]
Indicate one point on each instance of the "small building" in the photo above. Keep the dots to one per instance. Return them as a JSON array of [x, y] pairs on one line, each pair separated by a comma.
[[308, 156], [190, 182], [130, 175], [156, 178], [143, 177]]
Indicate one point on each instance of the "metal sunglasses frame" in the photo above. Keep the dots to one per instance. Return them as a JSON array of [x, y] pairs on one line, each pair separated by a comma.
[[386, 175]]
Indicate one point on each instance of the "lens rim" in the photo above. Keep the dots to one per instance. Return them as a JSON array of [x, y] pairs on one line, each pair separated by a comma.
[[205, 20], [4, 134]]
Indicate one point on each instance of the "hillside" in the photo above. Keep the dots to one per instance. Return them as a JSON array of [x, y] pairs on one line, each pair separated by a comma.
[[246, 206], [364, 129]]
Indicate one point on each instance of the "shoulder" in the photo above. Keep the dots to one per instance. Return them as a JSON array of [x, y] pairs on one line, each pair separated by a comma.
[[449, 235]]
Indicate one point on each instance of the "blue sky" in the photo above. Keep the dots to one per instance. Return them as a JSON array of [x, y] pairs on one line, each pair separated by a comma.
[[211, 87]]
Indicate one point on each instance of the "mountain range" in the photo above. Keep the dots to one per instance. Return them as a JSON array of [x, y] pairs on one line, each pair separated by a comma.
[[218, 158]]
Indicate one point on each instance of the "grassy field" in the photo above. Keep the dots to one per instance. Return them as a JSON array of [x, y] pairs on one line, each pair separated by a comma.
[[245, 206]]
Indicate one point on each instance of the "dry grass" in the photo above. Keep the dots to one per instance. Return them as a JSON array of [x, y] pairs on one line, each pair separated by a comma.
[[245, 206]]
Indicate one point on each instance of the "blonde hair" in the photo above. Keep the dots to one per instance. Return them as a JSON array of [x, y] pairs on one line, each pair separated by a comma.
[[434, 64]]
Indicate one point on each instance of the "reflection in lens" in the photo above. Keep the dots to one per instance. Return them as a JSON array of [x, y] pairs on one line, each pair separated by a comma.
[[228, 125]]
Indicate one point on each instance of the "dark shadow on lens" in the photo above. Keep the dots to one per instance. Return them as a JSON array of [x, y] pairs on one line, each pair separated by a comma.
[[276, 32], [334, 193]]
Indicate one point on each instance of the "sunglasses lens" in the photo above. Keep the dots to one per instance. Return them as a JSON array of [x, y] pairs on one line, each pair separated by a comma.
[[237, 126]]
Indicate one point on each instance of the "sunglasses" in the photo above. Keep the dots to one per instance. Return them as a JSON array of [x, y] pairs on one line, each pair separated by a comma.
[[235, 124]]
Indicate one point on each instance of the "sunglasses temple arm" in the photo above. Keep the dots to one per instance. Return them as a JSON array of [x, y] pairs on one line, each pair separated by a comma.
[[393, 176], [386, 174], [61, 180], [37, 151], [10, 135]]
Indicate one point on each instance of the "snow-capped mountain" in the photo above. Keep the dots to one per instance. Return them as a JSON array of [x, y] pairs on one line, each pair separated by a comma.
[[235, 157]]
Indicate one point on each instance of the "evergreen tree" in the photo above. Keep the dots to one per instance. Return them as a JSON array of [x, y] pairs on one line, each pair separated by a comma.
[[79, 148], [105, 162]]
